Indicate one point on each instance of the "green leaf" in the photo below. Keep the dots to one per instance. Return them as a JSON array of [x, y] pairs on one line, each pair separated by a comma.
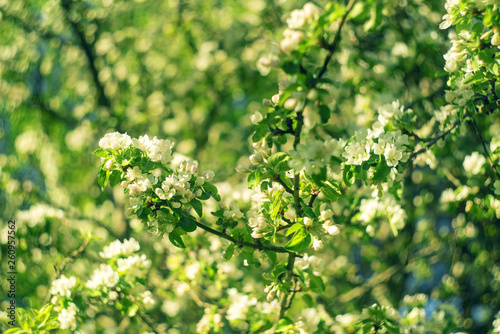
[[308, 300], [205, 195], [316, 284], [381, 171], [101, 153], [228, 253], [376, 18], [103, 176], [272, 256], [115, 177], [251, 180], [213, 190], [293, 228], [330, 191], [187, 224], [284, 325], [260, 132], [276, 158], [176, 239], [300, 241], [348, 175], [324, 113], [197, 206], [307, 210]]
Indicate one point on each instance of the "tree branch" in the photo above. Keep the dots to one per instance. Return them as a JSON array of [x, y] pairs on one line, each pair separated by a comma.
[[90, 55], [483, 143], [241, 242], [65, 262], [434, 140], [289, 274], [333, 47]]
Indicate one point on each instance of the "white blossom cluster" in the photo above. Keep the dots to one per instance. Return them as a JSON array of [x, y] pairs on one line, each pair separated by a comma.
[[496, 324], [156, 149], [313, 262], [116, 249], [297, 21], [134, 266], [62, 286], [393, 146], [115, 141], [256, 219], [391, 111], [103, 277], [386, 208], [243, 306], [37, 214], [67, 317], [176, 184], [308, 321], [261, 150], [473, 163], [326, 217], [233, 211], [315, 154], [112, 280]]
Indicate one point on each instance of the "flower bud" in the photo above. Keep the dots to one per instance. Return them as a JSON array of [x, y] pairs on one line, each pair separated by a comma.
[[109, 164], [242, 169], [256, 158], [256, 118], [308, 221], [495, 40], [310, 11], [312, 94], [275, 98], [290, 104], [266, 102], [333, 230], [271, 295]]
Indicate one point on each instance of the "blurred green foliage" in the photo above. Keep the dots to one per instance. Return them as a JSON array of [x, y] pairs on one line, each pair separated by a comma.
[[71, 71]]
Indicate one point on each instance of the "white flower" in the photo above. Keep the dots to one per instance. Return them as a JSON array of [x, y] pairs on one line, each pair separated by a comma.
[[497, 187], [147, 299], [297, 19], [115, 141], [473, 163], [291, 41], [67, 317], [134, 266], [105, 276], [208, 175], [233, 211], [308, 321], [117, 248], [256, 118], [240, 305], [62, 286], [308, 221], [290, 103], [317, 244]]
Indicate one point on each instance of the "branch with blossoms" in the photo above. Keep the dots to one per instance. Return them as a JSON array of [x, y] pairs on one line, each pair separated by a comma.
[[291, 209]]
